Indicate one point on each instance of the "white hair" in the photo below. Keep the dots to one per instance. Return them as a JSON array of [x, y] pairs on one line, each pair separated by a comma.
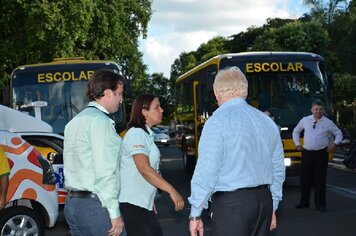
[[231, 82]]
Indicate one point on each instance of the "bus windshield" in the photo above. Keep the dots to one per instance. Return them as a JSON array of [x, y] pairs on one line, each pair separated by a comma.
[[283, 83], [288, 93], [62, 86]]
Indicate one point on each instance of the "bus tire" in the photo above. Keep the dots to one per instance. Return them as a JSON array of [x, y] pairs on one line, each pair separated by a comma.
[[20, 219]]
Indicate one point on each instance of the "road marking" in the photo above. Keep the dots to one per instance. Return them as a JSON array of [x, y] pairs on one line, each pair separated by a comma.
[[170, 159], [341, 189]]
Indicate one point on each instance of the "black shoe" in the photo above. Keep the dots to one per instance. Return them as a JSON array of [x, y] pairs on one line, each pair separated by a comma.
[[322, 209], [301, 206]]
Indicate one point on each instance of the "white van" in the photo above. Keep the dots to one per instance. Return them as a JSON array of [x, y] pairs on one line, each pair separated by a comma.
[[32, 198]]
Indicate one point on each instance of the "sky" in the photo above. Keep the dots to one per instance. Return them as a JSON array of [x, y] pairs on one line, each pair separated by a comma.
[[178, 26]]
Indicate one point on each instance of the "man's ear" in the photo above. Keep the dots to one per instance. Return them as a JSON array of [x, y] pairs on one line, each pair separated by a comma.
[[216, 94], [107, 92]]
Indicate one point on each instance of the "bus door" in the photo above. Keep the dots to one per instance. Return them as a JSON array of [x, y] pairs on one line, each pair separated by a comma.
[[205, 102]]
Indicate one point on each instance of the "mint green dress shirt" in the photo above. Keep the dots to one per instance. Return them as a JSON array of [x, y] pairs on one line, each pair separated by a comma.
[[134, 188], [91, 156]]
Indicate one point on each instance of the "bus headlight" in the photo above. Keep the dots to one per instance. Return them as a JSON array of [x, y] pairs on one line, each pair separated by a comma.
[[287, 161]]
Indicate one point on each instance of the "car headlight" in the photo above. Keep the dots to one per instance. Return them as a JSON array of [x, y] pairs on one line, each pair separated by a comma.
[[287, 162]]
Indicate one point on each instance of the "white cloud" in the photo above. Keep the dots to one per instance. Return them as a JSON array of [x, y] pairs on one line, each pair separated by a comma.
[[180, 26]]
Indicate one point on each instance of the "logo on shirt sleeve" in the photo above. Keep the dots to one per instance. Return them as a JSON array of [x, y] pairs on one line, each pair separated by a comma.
[[139, 146]]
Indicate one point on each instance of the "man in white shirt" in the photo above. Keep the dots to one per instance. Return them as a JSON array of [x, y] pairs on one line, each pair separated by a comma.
[[317, 130]]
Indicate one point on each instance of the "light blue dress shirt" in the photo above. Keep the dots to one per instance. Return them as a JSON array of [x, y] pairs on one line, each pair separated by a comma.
[[91, 156], [135, 189], [318, 137], [239, 147]]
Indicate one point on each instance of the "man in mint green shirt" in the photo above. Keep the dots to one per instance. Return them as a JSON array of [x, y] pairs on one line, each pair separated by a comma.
[[91, 160]]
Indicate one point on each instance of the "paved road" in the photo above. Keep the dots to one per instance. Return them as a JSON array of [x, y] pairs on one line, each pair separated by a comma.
[[338, 220]]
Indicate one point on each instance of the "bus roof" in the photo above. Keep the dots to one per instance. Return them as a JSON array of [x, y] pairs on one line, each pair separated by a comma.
[[271, 55], [64, 61]]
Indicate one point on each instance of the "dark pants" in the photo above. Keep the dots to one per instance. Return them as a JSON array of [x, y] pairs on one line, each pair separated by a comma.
[[86, 217], [245, 212], [140, 221], [313, 172]]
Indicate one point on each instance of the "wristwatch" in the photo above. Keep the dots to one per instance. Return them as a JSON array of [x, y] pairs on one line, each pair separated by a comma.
[[194, 218]]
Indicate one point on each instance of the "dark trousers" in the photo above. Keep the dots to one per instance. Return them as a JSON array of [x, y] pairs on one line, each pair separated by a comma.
[[140, 221], [313, 172], [244, 212]]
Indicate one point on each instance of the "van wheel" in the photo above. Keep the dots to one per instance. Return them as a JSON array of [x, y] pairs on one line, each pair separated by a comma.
[[21, 221]]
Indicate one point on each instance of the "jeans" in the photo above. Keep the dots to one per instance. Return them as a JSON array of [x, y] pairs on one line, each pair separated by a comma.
[[86, 217]]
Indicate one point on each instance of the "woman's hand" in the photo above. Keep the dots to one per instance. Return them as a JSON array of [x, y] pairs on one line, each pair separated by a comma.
[[177, 200]]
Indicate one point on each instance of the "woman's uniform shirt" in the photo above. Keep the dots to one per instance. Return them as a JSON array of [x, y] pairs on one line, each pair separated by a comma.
[[134, 188]]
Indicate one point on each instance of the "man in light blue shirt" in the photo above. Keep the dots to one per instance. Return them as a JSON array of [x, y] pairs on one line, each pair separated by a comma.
[[240, 165], [91, 160]]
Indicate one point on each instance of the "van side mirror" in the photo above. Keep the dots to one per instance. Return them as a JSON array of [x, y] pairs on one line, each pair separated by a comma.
[[52, 157]]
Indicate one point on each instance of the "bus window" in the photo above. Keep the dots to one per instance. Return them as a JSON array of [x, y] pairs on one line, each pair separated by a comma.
[[284, 82], [62, 84]]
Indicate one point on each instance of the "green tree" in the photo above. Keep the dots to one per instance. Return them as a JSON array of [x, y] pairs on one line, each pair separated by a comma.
[[38, 31], [344, 38], [294, 36], [158, 85], [325, 11], [244, 41], [215, 46], [185, 62]]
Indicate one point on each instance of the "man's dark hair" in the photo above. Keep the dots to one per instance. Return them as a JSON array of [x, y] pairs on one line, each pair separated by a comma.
[[101, 80], [318, 103], [142, 101]]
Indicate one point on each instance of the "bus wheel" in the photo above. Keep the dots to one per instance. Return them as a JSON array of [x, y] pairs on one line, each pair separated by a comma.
[[188, 162], [21, 221]]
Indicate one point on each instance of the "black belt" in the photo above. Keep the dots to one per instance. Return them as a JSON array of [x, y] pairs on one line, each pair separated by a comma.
[[320, 150], [81, 194], [221, 193]]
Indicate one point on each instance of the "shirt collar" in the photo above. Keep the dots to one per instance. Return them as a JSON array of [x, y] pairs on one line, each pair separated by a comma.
[[151, 133], [234, 101], [97, 105], [314, 120]]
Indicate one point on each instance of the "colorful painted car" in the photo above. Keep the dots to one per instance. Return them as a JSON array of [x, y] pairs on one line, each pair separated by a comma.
[[40, 135], [32, 198]]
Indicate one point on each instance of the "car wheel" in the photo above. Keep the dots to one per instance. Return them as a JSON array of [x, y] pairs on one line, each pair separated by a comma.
[[21, 221]]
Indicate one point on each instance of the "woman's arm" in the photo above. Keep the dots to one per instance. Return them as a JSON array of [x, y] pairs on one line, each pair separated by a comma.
[[151, 175]]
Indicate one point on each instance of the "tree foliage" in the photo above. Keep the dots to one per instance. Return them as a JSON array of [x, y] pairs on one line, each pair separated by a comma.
[[329, 29], [294, 36], [325, 11], [38, 31]]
